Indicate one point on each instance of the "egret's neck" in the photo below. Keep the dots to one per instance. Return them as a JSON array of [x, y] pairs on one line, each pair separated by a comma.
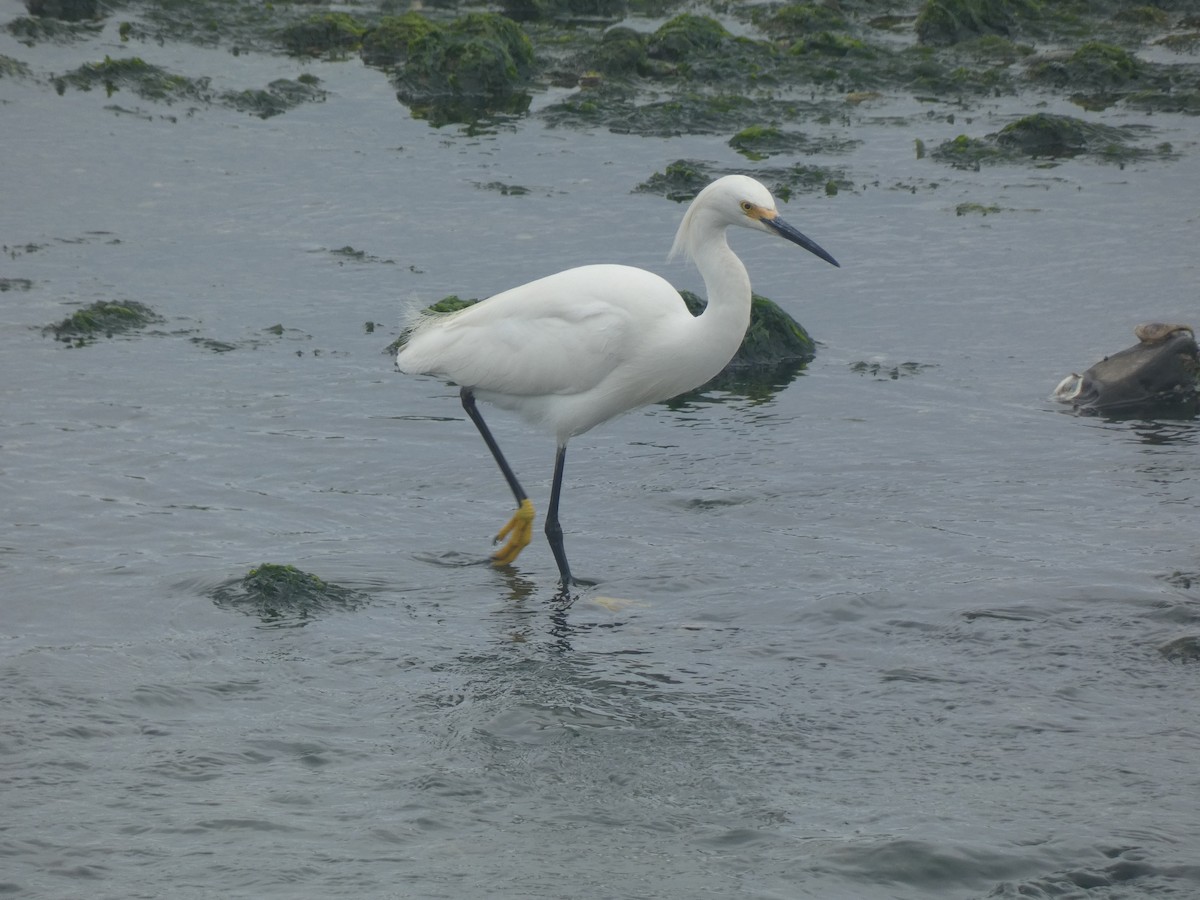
[[728, 288]]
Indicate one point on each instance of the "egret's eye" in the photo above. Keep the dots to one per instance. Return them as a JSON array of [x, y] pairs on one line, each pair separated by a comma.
[[747, 207]]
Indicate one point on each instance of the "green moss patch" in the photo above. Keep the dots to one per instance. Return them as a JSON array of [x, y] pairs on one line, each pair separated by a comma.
[[136, 75], [284, 596], [102, 319], [683, 179], [324, 33], [1046, 136], [478, 66]]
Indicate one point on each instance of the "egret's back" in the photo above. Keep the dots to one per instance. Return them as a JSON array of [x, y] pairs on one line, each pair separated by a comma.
[[560, 335]]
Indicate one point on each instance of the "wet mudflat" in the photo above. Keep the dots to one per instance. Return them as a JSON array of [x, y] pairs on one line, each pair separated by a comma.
[[898, 627]]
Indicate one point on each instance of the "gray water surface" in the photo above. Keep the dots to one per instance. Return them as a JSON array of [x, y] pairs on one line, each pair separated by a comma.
[[871, 637]]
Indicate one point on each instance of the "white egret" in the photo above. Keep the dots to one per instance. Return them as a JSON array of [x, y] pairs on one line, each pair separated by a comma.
[[575, 349]]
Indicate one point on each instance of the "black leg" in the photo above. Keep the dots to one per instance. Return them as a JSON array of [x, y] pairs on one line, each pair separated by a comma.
[[554, 532], [519, 529], [468, 402]]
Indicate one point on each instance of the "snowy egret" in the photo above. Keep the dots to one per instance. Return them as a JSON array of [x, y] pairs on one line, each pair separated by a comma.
[[575, 349]]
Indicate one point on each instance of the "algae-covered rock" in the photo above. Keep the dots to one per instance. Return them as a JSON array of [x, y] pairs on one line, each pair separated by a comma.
[[474, 67], [942, 22], [324, 33], [687, 35], [284, 596], [387, 44], [798, 19], [621, 51], [67, 10], [30, 30], [102, 319], [529, 10], [135, 74], [1044, 134], [278, 97], [1095, 65], [682, 180], [13, 68]]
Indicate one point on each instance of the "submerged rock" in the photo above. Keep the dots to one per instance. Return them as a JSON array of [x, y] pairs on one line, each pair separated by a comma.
[[943, 22], [102, 319], [683, 179], [1046, 136], [284, 596], [1093, 66], [324, 33], [479, 65], [135, 74], [388, 43], [67, 10], [1159, 377]]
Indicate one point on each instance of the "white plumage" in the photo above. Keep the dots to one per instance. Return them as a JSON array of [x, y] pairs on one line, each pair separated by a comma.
[[575, 349]]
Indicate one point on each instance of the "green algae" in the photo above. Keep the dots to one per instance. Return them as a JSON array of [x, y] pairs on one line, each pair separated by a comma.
[[964, 209], [135, 74], [683, 179], [285, 596], [620, 51], [66, 10], [884, 372], [13, 68], [324, 33], [102, 319], [1093, 66], [567, 11], [786, 63], [686, 36], [387, 44], [278, 97], [680, 181], [942, 22], [155, 83], [476, 67], [1047, 136], [759, 142], [31, 31], [796, 19]]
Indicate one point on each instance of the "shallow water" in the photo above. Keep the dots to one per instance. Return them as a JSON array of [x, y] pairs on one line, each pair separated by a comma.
[[874, 637]]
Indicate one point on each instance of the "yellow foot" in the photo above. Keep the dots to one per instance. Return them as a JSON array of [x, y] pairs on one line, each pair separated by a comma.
[[518, 531]]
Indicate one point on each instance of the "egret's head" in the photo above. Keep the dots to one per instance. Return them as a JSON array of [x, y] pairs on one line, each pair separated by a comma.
[[736, 200]]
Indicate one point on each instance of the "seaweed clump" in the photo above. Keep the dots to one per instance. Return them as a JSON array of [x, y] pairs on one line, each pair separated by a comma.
[[471, 69], [387, 44], [1044, 136], [324, 33], [942, 22], [145, 80], [284, 596], [1095, 65], [102, 319], [278, 97], [66, 10], [683, 179]]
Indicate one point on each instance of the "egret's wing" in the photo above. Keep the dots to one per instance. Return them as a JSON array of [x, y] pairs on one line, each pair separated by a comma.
[[559, 335]]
